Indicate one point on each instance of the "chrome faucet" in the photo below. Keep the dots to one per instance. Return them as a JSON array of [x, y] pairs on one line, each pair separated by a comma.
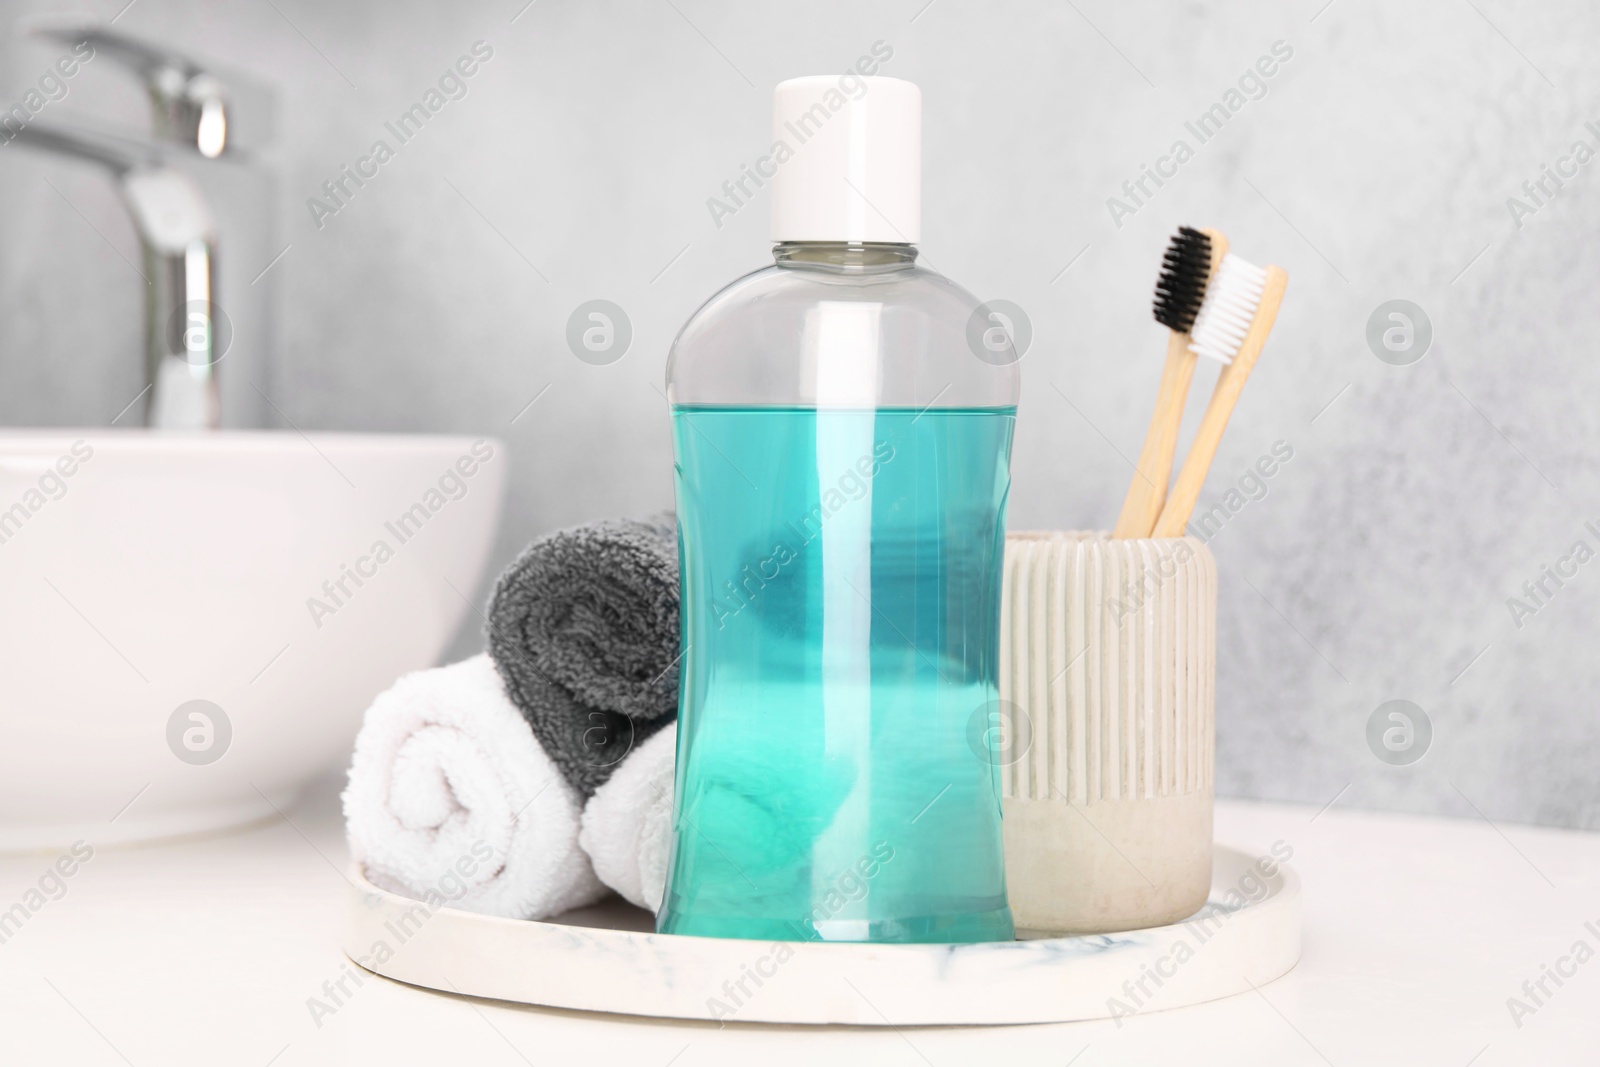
[[174, 223], [191, 107]]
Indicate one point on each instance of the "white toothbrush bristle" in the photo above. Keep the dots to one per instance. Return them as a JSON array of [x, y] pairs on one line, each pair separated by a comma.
[[1230, 306]]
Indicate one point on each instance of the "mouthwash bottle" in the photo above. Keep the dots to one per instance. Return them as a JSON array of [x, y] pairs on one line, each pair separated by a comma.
[[842, 463]]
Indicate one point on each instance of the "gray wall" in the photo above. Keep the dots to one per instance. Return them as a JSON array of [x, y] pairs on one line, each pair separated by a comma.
[[1377, 166]]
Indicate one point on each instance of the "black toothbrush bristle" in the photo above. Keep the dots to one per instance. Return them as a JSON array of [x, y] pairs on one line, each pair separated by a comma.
[[1181, 289]]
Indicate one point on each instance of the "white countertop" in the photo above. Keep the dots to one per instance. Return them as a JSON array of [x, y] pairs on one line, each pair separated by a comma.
[[1417, 931]]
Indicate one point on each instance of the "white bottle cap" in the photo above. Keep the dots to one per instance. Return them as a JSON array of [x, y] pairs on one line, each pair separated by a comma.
[[848, 152]]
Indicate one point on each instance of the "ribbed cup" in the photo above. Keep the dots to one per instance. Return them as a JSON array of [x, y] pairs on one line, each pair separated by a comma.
[[1107, 674]]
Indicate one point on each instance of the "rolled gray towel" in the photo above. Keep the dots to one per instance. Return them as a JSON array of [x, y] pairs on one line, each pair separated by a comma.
[[583, 628]]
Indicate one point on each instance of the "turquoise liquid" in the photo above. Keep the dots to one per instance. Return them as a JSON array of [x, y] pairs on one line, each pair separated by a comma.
[[840, 626]]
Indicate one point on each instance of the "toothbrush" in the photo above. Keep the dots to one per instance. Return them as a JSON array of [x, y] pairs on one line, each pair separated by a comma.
[[1192, 260], [1234, 322]]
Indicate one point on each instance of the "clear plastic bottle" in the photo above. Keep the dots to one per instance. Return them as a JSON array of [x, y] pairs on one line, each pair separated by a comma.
[[842, 469]]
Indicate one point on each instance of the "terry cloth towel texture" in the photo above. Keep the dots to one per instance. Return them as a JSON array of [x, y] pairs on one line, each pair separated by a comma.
[[627, 824], [583, 627], [451, 800]]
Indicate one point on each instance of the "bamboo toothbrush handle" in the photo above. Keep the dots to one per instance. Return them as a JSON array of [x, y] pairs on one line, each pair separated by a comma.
[[1148, 490], [1230, 383]]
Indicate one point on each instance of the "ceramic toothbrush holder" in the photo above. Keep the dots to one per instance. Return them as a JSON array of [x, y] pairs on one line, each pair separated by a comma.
[[1108, 665]]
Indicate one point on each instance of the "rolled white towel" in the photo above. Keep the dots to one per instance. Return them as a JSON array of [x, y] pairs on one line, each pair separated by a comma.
[[450, 796], [627, 824]]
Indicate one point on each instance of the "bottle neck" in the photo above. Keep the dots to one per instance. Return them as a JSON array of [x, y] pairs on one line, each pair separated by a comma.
[[839, 257]]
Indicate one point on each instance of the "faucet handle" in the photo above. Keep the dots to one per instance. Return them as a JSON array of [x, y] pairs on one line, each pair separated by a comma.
[[192, 105]]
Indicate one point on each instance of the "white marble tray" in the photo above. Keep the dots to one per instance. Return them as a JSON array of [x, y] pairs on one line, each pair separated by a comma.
[[607, 959]]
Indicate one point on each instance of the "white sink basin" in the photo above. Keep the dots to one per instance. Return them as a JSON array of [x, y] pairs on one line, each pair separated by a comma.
[[141, 572]]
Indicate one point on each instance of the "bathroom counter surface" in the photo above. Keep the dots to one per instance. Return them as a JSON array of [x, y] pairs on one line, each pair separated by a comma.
[[1426, 941]]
